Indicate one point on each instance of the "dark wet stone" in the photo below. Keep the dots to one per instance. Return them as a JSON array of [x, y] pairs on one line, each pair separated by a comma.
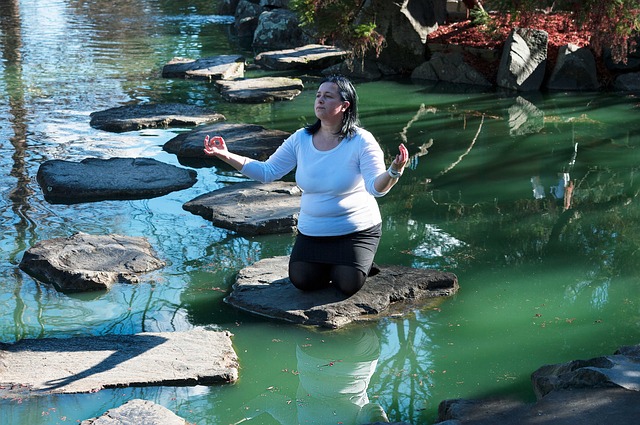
[[85, 262], [251, 208], [250, 140], [89, 364], [311, 56], [264, 289], [138, 117], [260, 90], [223, 67], [94, 179]]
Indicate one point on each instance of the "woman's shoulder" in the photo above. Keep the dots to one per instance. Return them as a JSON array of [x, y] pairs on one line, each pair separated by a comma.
[[364, 135]]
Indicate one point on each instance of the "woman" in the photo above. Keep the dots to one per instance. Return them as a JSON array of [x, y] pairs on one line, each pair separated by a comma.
[[340, 169]]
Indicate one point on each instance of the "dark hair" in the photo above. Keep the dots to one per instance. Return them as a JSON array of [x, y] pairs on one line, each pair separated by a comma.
[[350, 118]]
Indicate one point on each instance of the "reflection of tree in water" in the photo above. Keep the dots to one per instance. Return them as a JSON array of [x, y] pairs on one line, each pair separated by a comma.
[[479, 191], [406, 374]]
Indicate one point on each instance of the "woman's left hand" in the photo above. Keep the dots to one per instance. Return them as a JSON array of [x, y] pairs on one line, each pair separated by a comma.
[[401, 159]]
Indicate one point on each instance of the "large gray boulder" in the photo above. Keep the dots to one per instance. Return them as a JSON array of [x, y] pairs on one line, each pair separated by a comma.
[[310, 56], [523, 61], [138, 412], [264, 289], [96, 179], [449, 67], [137, 117], [628, 82], [251, 208], [278, 29], [223, 67], [260, 90], [92, 363], [253, 141], [575, 69], [84, 262], [405, 26]]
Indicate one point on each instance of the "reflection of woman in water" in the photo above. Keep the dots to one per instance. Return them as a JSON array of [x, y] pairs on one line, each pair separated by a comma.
[[334, 376], [329, 383]]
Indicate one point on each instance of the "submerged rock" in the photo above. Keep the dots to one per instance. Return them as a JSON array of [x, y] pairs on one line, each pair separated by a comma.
[[85, 262], [137, 412], [95, 179], [261, 90], [264, 289], [89, 364], [138, 117], [251, 208]]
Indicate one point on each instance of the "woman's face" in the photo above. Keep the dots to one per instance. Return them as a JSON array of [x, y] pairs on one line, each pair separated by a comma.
[[329, 106]]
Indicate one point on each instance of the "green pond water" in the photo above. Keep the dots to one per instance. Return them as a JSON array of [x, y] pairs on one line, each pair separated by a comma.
[[483, 198]]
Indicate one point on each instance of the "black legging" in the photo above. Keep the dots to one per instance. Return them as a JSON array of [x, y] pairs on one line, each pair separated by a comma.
[[312, 276]]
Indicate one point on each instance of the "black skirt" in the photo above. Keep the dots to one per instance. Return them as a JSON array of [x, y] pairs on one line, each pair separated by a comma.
[[355, 249]]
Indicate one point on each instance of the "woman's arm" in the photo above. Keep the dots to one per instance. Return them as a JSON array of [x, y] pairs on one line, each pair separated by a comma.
[[282, 161]]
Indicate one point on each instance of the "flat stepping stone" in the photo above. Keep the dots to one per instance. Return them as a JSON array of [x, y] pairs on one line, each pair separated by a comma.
[[222, 67], [260, 90], [138, 117], [250, 140], [137, 411], [264, 289], [311, 56], [95, 179], [84, 262], [89, 364], [251, 208]]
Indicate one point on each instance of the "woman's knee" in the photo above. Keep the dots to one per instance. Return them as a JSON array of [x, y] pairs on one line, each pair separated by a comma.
[[348, 279], [308, 276]]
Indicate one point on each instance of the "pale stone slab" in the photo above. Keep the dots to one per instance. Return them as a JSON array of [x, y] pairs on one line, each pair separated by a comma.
[[90, 364], [260, 90], [137, 412], [311, 56], [222, 67]]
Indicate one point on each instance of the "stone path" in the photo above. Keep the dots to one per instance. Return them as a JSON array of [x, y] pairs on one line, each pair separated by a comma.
[[260, 90], [264, 289], [253, 141], [96, 179], [251, 208], [138, 117], [222, 67], [90, 364], [84, 262], [311, 56]]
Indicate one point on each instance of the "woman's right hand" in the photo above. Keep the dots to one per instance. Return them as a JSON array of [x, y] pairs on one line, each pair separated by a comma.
[[214, 145]]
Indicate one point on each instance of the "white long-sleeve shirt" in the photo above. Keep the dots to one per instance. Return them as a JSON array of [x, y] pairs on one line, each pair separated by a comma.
[[338, 193]]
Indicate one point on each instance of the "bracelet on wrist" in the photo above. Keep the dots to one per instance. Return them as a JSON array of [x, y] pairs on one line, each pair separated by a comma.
[[393, 173]]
